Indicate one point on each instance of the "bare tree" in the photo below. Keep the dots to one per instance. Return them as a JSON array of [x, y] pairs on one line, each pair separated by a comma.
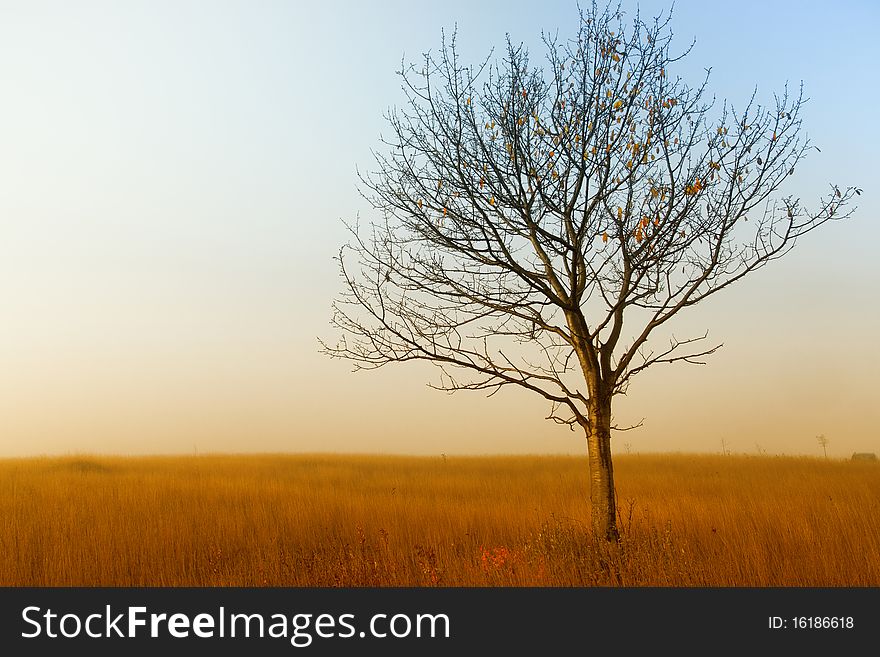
[[823, 442], [524, 212]]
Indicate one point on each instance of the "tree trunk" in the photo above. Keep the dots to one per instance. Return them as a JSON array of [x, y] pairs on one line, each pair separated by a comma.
[[602, 498]]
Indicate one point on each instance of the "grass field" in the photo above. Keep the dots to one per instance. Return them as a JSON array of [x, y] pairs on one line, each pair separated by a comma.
[[326, 520]]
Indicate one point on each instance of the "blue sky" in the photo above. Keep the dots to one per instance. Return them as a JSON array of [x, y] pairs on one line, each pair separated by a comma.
[[173, 180]]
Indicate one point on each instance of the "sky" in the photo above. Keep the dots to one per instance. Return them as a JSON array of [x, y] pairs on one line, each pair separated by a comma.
[[173, 181]]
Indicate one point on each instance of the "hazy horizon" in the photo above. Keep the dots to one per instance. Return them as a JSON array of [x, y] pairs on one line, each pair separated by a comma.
[[173, 181]]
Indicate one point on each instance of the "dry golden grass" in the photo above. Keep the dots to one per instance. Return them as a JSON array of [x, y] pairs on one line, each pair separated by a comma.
[[391, 521]]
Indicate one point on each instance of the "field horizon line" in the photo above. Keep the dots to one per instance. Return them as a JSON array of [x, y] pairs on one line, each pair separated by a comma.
[[408, 456]]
